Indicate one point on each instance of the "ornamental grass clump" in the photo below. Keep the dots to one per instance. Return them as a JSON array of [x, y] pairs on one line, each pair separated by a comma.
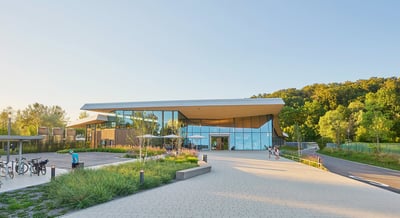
[[86, 187]]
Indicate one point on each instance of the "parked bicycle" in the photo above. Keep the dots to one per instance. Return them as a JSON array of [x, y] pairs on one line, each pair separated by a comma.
[[42, 166], [37, 166], [21, 167], [6, 169]]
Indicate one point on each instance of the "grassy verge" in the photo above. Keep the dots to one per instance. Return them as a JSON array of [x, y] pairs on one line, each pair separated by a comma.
[[390, 161], [85, 188], [292, 153]]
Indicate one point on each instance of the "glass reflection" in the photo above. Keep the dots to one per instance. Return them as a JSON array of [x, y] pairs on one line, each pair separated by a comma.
[[240, 136]]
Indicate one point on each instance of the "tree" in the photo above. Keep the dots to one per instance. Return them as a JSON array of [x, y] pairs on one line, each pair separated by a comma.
[[334, 125], [83, 114], [307, 105], [298, 136], [312, 113], [34, 116], [142, 123], [4, 120], [289, 116], [375, 123], [380, 128]]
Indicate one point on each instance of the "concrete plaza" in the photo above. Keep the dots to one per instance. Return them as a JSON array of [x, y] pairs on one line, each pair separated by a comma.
[[248, 184]]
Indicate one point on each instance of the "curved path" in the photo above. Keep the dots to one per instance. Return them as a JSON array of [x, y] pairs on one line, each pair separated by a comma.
[[247, 184]]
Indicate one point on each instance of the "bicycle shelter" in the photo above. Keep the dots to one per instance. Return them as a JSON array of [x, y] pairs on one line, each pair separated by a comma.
[[19, 139]]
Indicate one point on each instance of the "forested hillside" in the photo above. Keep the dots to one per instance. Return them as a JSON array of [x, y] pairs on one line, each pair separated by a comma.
[[364, 110]]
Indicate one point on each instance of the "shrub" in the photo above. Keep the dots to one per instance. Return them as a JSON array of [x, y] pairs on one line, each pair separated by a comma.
[[79, 190]]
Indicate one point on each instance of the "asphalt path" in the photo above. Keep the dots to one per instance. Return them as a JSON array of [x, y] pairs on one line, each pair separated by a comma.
[[377, 176]]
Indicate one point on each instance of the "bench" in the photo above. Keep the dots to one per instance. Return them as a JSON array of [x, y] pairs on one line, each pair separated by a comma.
[[192, 172]]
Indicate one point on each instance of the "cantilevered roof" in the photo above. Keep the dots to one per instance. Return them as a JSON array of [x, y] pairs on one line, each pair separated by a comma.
[[200, 109], [96, 119]]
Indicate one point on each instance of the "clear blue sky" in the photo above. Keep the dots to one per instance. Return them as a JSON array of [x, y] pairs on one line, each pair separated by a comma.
[[69, 53]]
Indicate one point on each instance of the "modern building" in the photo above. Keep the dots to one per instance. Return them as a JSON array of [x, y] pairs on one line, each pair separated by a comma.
[[219, 124]]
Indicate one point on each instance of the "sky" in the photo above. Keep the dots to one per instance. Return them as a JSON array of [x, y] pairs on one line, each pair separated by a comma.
[[69, 53]]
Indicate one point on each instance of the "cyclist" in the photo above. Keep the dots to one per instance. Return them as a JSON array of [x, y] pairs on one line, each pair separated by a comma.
[[75, 158]]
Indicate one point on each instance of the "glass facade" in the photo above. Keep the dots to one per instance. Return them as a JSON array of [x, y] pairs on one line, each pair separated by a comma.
[[248, 133]]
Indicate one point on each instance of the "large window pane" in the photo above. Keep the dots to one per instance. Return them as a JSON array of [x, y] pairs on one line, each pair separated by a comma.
[[239, 141], [127, 117], [214, 129], [247, 141], [232, 141], [266, 139], [119, 116], [256, 141], [196, 128], [224, 130], [168, 123], [205, 129], [205, 142], [158, 120], [266, 127]]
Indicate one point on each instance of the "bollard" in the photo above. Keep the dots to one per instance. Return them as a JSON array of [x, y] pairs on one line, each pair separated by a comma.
[[319, 161], [53, 172], [141, 177], [205, 158]]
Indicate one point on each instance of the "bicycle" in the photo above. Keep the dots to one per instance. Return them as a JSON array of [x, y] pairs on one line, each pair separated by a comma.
[[37, 167], [34, 166], [42, 166], [7, 170], [21, 167]]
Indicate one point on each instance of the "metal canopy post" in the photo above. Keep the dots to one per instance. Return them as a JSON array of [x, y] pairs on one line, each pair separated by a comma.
[[9, 134], [20, 151]]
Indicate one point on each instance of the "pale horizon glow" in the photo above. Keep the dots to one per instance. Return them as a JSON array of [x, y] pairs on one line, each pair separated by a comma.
[[69, 53]]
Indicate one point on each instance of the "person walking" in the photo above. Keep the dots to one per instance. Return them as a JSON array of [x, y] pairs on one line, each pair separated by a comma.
[[269, 152], [276, 153], [75, 158]]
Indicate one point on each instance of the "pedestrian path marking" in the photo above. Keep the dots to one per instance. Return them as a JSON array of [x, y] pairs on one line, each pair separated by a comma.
[[369, 181]]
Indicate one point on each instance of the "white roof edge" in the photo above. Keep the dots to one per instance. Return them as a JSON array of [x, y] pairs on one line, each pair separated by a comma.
[[183, 103], [99, 116]]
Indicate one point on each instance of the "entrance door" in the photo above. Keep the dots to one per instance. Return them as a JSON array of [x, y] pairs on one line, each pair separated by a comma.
[[220, 142]]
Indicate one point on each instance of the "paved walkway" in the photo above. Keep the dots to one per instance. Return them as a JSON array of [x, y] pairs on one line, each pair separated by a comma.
[[246, 184]]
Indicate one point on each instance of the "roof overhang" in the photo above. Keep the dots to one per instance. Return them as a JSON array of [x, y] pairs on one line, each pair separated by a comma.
[[200, 109], [96, 119]]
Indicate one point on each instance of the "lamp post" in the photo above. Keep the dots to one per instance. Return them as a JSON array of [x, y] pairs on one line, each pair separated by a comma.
[[9, 134], [348, 138]]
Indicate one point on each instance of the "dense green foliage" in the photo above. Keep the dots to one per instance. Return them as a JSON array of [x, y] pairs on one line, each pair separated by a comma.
[[364, 110], [27, 121]]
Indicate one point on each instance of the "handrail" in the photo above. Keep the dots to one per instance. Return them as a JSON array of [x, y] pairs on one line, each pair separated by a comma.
[[317, 164]]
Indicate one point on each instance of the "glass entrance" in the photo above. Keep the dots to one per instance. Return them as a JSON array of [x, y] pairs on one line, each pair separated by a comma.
[[220, 142]]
